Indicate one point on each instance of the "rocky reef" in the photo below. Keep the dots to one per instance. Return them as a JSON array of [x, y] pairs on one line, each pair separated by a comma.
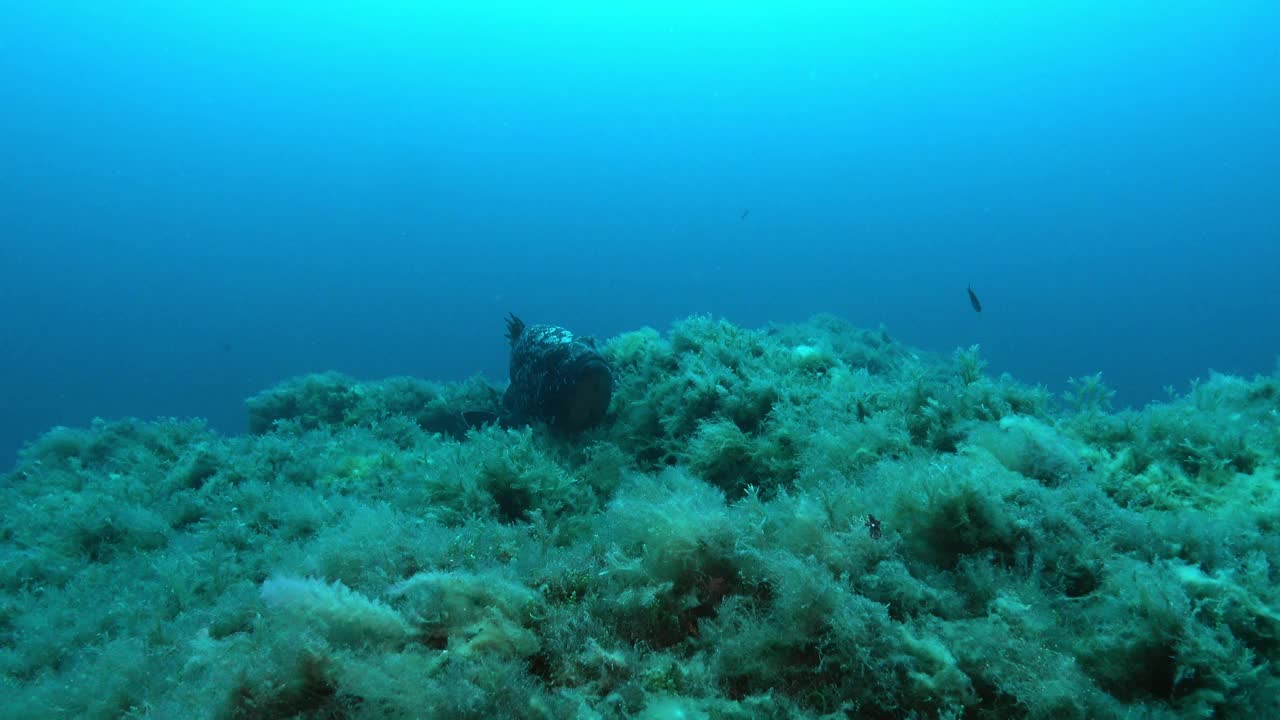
[[797, 521]]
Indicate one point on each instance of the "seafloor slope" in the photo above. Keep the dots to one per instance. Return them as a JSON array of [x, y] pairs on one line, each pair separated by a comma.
[[803, 521]]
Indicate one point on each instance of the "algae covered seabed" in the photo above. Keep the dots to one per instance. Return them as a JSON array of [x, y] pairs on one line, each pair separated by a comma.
[[794, 522]]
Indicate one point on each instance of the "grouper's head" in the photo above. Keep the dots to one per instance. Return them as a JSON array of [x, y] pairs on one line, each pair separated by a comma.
[[583, 392]]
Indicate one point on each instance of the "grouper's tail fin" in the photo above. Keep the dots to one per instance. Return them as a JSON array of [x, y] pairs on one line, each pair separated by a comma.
[[479, 419]]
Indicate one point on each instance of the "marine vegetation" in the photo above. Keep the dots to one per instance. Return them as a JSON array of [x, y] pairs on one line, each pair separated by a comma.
[[802, 521]]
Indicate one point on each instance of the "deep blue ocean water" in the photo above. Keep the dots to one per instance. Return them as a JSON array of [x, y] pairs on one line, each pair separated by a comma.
[[200, 199]]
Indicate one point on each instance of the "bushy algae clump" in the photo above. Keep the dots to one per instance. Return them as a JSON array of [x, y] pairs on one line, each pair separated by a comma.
[[795, 522]]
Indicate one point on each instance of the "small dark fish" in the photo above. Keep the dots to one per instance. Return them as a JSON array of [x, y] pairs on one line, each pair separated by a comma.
[[973, 300], [873, 527], [745, 213], [862, 412]]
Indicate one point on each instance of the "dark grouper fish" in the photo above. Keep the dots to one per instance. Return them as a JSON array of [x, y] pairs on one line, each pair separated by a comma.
[[556, 378]]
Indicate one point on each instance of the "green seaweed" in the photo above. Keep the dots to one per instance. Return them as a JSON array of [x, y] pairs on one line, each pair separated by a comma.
[[798, 521]]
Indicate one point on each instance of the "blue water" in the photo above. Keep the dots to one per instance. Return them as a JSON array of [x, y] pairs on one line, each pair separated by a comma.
[[200, 199]]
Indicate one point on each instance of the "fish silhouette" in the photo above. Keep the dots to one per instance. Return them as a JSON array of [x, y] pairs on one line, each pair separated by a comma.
[[973, 300], [556, 377]]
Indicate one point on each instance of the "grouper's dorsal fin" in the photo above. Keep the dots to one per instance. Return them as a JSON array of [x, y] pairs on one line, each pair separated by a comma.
[[515, 327]]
